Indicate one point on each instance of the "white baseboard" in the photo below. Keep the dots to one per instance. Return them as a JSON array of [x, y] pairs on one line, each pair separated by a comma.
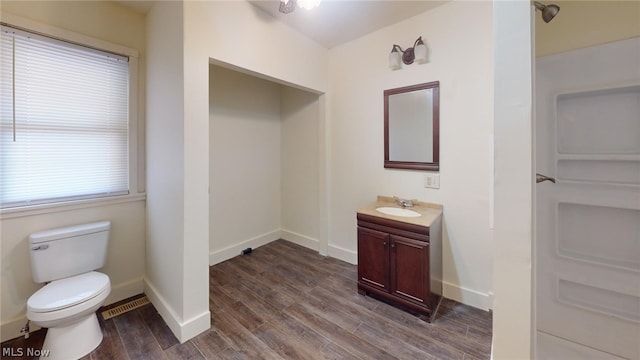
[[302, 240], [11, 329], [467, 296], [343, 254], [195, 326], [183, 330], [218, 256]]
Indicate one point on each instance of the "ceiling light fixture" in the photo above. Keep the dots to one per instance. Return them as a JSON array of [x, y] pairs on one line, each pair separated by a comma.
[[308, 4], [417, 53], [287, 6]]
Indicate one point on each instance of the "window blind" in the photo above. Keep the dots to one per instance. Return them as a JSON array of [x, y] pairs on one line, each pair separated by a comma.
[[68, 108]]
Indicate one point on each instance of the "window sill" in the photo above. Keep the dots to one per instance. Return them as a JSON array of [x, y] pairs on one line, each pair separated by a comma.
[[68, 206]]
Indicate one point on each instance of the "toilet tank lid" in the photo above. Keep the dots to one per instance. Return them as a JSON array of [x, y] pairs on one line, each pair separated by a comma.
[[69, 231], [63, 293]]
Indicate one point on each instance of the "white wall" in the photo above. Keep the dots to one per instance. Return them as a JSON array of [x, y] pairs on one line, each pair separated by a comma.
[[102, 21], [459, 38], [245, 163], [512, 315], [300, 145], [182, 40], [264, 163], [269, 52], [177, 223], [196, 180], [165, 153], [240, 34]]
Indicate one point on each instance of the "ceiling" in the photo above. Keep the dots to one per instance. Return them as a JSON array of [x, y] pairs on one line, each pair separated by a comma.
[[141, 6], [334, 22]]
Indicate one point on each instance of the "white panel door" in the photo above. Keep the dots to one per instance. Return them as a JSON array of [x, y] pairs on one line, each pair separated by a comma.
[[588, 222]]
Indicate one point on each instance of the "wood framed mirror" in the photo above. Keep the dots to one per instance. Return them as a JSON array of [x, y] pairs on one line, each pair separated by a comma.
[[412, 127]]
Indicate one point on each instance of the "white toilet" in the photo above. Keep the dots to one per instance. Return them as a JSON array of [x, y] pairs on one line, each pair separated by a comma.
[[66, 257]]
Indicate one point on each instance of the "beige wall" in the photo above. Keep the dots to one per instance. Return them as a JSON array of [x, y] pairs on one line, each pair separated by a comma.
[[461, 59], [581, 24], [104, 21], [125, 255]]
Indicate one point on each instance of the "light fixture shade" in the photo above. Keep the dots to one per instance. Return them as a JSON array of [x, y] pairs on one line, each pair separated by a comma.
[[420, 52], [308, 4], [395, 59], [287, 6]]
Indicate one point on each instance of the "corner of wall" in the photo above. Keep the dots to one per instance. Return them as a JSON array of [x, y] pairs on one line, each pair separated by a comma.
[[182, 329], [231, 251], [461, 294]]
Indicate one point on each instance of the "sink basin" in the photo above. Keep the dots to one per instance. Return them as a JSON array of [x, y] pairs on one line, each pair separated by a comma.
[[398, 211]]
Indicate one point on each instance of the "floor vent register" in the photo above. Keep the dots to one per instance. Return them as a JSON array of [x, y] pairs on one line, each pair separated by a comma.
[[126, 307]]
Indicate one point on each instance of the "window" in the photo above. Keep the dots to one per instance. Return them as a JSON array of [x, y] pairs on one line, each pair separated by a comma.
[[64, 126]]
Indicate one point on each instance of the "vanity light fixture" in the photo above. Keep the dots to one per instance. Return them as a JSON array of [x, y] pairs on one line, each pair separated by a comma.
[[417, 53], [287, 6]]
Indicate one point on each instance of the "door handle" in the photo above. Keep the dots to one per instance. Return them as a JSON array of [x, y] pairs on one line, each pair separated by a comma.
[[540, 178]]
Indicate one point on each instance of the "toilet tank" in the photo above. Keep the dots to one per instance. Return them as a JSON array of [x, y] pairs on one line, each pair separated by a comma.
[[68, 251]]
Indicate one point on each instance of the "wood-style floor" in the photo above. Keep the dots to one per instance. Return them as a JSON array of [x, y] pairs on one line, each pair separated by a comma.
[[286, 301]]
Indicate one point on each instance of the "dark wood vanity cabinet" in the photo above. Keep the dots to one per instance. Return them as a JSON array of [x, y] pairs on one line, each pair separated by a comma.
[[400, 263]]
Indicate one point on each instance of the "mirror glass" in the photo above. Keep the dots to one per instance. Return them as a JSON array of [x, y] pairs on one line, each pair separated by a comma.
[[411, 127]]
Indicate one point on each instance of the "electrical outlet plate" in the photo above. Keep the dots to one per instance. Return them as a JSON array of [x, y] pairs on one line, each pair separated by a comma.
[[432, 180]]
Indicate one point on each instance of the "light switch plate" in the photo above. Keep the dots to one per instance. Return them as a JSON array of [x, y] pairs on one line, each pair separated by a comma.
[[432, 181]]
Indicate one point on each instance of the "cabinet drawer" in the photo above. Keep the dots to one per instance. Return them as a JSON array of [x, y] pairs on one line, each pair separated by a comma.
[[399, 230]]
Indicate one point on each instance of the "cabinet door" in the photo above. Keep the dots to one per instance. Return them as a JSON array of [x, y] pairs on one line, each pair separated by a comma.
[[410, 269], [373, 258]]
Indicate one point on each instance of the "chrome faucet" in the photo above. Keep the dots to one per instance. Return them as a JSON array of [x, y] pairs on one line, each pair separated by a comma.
[[404, 202]]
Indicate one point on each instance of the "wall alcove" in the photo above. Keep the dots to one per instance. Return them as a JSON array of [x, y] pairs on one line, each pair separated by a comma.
[[264, 168]]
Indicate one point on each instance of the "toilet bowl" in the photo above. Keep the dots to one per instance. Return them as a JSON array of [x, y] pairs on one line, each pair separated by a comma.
[[67, 307], [66, 258]]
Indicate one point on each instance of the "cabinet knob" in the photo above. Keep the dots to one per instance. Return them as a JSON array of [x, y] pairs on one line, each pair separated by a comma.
[[384, 243], [393, 245]]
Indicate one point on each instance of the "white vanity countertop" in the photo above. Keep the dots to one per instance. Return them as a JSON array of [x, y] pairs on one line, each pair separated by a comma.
[[428, 212]]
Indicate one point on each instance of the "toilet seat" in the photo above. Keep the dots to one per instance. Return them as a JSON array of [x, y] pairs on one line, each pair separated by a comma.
[[68, 292]]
